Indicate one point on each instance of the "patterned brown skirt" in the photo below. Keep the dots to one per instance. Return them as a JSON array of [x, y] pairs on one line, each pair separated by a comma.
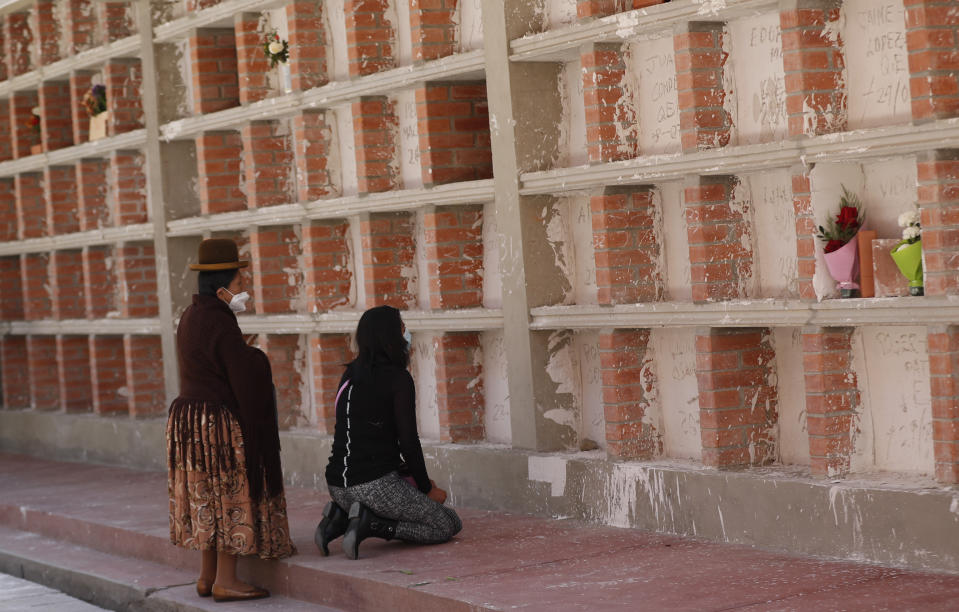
[[210, 503]]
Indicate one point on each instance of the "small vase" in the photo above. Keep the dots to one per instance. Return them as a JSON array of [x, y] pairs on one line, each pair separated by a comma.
[[286, 78], [843, 265], [908, 258], [98, 125]]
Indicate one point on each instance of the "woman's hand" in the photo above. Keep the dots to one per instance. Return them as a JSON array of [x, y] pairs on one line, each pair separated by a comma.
[[437, 494]]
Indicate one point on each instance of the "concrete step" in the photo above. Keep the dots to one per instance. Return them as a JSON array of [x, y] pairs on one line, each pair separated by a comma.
[[19, 595], [81, 579], [498, 562]]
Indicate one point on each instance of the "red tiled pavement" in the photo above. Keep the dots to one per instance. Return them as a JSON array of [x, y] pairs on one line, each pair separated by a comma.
[[499, 561]]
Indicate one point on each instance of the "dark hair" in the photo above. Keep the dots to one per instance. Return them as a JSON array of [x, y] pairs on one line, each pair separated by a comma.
[[208, 281], [379, 340]]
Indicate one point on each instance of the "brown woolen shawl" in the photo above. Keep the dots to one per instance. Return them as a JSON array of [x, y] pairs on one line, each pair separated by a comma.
[[217, 365]]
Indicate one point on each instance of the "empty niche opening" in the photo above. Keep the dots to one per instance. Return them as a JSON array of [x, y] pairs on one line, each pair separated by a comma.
[[180, 182], [791, 391], [469, 32], [877, 66], [675, 241], [774, 233], [572, 149], [496, 388], [757, 79], [892, 430], [411, 171], [345, 146], [334, 16], [651, 79], [675, 362], [423, 368]]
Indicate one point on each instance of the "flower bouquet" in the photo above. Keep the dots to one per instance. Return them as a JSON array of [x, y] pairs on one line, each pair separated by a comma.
[[95, 102], [841, 252], [35, 130], [908, 253], [277, 50]]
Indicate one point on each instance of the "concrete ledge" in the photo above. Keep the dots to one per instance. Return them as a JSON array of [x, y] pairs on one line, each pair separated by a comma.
[[877, 520]]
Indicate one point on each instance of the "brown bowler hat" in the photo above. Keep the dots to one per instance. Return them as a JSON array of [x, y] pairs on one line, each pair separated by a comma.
[[218, 254]]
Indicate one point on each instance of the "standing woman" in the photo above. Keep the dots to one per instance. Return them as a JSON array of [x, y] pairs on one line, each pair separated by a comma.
[[374, 439], [223, 448]]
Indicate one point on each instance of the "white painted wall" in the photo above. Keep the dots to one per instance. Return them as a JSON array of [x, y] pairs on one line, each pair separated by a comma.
[[495, 388], [758, 79], [419, 276], [675, 242], [791, 390], [651, 67], [470, 21], [560, 13], [573, 122], [399, 15], [827, 181], [411, 171], [890, 189], [580, 222], [774, 235], [877, 67], [560, 238], [562, 368], [592, 417], [895, 426], [675, 364], [335, 18], [423, 368], [344, 139], [492, 278]]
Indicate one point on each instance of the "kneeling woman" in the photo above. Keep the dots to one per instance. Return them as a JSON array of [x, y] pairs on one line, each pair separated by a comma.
[[375, 423], [225, 479]]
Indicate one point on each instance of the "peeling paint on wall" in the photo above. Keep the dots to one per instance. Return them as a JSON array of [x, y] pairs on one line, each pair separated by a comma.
[[496, 388], [334, 16], [551, 469], [572, 125]]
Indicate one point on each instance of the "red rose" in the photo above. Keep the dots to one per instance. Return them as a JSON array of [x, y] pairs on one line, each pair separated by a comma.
[[833, 245], [848, 217]]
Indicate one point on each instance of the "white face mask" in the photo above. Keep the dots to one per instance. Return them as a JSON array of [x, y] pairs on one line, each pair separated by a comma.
[[409, 339], [239, 300]]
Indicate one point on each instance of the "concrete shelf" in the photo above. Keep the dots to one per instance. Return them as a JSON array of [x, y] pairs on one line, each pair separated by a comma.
[[905, 311], [472, 192], [563, 44], [98, 148], [107, 235], [853, 146], [83, 327]]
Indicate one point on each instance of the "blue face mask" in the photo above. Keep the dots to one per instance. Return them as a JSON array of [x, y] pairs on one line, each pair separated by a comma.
[[409, 339]]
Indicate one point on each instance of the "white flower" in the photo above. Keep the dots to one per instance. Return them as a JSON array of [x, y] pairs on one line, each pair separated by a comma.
[[908, 218], [276, 47], [35, 110], [910, 233]]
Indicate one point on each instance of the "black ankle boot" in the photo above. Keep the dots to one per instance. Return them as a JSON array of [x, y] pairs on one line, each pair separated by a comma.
[[364, 524], [334, 524]]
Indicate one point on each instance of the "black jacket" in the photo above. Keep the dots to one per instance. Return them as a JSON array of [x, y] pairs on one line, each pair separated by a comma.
[[375, 424]]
